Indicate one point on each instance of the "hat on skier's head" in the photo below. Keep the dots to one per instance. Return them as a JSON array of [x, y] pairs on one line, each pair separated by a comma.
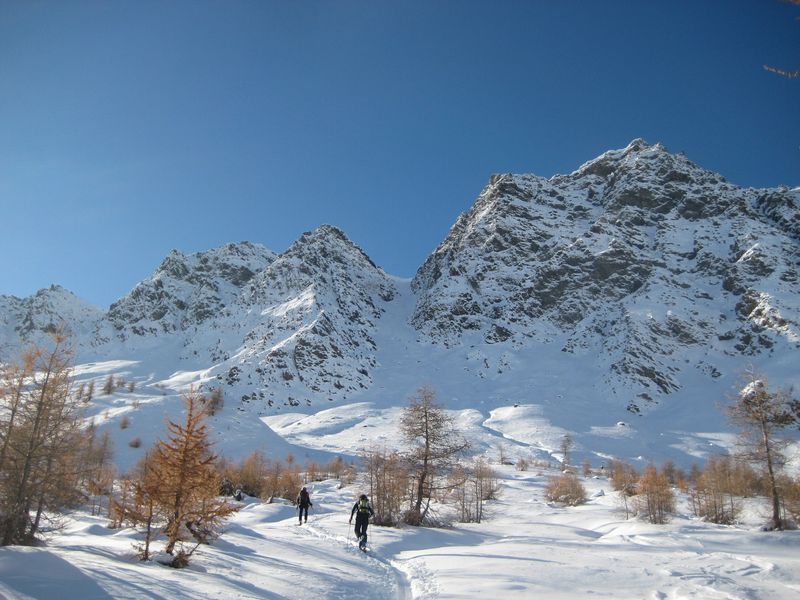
[[363, 496]]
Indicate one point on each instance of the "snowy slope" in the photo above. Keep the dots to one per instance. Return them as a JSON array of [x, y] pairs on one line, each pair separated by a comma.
[[633, 290], [48, 310], [641, 259], [308, 321], [525, 548]]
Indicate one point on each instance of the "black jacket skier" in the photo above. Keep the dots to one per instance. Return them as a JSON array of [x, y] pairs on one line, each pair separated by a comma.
[[363, 511], [303, 502]]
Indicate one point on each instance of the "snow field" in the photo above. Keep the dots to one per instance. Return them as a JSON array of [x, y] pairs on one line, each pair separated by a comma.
[[525, 548]]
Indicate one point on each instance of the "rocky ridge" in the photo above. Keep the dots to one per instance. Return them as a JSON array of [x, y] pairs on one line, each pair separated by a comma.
[[639, 256], [640, 259]]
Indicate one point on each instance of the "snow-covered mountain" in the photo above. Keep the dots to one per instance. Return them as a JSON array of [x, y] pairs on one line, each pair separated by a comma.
[[307, 322], [638, 281], [640, 258], [186, 291], [32, 319]]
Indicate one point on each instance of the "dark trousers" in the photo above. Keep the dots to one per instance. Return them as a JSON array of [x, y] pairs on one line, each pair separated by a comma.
[[302, 509], [362, 520]]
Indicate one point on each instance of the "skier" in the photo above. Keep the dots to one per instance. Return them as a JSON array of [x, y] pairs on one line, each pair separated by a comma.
[[364, 510], [303, 502]]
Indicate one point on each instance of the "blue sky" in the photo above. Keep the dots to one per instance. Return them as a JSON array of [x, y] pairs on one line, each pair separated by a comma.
[[131, 128]]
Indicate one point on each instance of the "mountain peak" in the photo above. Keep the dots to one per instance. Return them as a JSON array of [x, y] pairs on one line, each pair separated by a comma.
[[328, 242], [593, 258], [188, 289], [640, 157]]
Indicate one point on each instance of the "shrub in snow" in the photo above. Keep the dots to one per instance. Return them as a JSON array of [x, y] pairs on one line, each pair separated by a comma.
[[213, 402], [624, 477], [389, 479], [656, 500], [471, 486], [791, 499], [715, 495], [565, 489]]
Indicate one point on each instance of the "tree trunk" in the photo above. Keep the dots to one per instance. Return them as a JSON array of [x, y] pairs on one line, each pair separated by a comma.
[[777, 523]]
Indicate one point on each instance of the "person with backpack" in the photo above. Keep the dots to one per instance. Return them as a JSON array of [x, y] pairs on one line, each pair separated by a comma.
[[363, 511], [303, 502]]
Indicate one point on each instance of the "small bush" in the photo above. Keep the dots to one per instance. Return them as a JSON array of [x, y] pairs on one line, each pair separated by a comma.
[[624, 478], [124, 423], [565, 489], [791, 497], [135, 442], [523, 464], [108, 386], [214, 401]]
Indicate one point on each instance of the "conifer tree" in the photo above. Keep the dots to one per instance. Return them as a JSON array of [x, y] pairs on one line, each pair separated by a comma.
[[656, 500], [761, 416], [108, 386], [188, 483], [41, 440], [435, 446]]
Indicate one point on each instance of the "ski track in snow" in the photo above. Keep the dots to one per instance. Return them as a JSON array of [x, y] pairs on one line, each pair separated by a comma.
[[397, 579]]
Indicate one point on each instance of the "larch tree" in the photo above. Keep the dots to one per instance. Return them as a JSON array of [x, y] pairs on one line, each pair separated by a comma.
[[435, 447], [761, 416], [388, 477], [188, 490], [656, 500], [41, 440], [136, 503]]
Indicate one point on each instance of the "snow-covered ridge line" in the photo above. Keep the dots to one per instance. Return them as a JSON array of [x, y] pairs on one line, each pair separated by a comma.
[[640, 270]]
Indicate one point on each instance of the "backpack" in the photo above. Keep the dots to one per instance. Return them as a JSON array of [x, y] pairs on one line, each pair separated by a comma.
[[304, 498], [363, 505]]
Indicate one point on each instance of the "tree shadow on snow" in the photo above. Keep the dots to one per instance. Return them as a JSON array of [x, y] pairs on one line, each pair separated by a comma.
[[37, 573]]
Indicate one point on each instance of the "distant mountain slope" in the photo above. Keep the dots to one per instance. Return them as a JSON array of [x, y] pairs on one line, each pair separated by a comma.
[[640, 264], [307, 322], [48, 310], [639, 256], [186, 291]]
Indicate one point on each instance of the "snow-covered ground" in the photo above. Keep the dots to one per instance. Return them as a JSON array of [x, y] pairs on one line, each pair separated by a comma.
[[525, 548]]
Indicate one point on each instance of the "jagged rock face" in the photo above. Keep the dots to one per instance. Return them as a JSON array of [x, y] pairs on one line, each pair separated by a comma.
[[313, 316], [640, 260], [639, 253], [186, 291], [32, 319]]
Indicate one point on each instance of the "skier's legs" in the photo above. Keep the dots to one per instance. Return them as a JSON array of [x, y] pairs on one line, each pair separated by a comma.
[[361, 525]]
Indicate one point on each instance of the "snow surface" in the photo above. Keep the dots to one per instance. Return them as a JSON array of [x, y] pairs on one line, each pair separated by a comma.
[[526, 548], [519, 399]]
